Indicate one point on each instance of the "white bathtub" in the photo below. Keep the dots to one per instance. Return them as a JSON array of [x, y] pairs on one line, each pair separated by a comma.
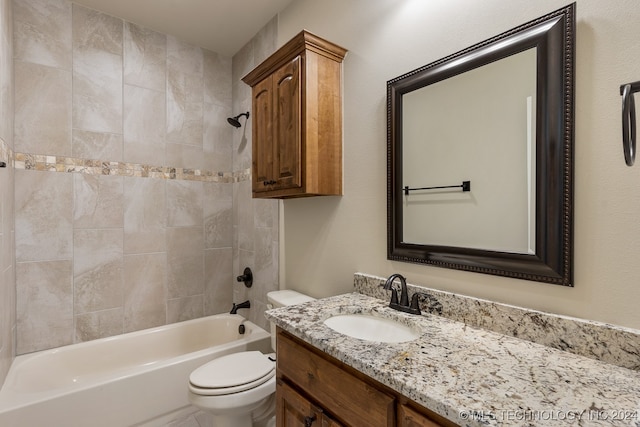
[[139, 378]]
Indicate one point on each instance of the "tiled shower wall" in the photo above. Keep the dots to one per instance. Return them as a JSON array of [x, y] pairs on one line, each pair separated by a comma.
[[7, 246], [129, 201], [256, 220]]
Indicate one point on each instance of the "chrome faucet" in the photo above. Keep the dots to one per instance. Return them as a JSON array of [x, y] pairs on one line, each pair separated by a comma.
[[403, 305], [234, 309]]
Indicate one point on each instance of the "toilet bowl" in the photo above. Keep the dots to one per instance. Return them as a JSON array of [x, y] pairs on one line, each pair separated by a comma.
[[239, 389]]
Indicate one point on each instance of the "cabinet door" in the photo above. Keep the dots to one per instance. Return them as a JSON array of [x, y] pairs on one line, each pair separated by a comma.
[[412, 418], [263, 141], [350, 399], [288, 117], [293, 410]]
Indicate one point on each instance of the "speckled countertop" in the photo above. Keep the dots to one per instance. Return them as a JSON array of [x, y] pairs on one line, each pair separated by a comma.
[[472, 376]]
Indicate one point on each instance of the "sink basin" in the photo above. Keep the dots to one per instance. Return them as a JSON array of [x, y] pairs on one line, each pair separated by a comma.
[[371, 328]]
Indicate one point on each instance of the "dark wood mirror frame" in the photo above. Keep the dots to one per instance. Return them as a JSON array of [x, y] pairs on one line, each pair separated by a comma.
[[553, 37]]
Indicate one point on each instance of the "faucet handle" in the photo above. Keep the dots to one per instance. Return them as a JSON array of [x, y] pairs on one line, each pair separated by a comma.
[[415, 306], [394, 296]]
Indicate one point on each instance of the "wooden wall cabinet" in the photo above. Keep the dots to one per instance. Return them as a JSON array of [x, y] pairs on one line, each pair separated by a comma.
[[316, 390], [297, 120]]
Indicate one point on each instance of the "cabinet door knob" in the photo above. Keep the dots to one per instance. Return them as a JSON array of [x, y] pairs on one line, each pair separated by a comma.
[[309, 420]]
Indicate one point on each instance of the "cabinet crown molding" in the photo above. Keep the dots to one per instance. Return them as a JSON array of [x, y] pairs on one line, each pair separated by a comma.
[[304, 40]]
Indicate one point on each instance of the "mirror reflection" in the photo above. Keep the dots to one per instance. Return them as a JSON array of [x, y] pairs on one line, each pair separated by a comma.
[[476, 127]]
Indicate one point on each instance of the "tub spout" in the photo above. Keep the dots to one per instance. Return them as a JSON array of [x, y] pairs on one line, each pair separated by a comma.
[[234, 309]]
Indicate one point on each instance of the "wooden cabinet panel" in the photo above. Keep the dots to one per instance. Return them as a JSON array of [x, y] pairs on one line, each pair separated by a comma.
[[287, 121], [262, 130], [293, 410], [409, 417], [347, 398], [297, 120]]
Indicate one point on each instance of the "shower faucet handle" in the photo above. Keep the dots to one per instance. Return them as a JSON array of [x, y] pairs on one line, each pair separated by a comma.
[[247, 277]]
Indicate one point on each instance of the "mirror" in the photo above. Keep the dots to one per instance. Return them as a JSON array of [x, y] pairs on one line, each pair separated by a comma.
[[480, 152]]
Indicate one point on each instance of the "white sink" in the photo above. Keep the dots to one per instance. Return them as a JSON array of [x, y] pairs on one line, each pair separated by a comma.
[[371, 328]]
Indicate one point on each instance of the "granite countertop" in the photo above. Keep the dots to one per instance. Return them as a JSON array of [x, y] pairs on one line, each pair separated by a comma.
[[472, 376]]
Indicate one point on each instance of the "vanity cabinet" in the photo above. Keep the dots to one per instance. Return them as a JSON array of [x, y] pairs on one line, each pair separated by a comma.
[[297, 120], [316, 390], [294, 410]]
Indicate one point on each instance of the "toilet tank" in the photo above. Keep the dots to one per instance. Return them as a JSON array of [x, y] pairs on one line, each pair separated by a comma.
[[284, 298]]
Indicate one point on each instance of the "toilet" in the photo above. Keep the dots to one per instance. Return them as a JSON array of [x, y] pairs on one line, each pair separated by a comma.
[[239, 389]]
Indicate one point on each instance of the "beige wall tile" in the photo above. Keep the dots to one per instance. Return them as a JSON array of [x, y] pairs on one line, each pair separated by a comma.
[[93, 30], [144, 215], [145, 294], [218, 137], [97, 145], [99, 324], [241, 138], [42, 109], [42, 32], [187, 308], [243, 62], [185, 262], [218, 215], [97, 71], [263, 257], [44, 217], [219, 281], [145, 54], [217, 79], [265, 213], [44, 305], [97, 91], [97, 270], [98, 201], [185, 156], [184, 203], [184, 93], [243, 211], [144, 126]]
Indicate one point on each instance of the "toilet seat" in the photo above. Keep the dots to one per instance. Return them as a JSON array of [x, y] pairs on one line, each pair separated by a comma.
[[233, 373]]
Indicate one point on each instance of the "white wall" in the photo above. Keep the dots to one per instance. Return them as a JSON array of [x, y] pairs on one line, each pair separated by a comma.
[[328, 239]]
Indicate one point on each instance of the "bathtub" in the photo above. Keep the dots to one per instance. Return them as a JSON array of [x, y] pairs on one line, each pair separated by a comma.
[[135, 379]]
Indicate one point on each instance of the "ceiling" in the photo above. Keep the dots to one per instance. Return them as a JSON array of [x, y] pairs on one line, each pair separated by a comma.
[[223, 26]]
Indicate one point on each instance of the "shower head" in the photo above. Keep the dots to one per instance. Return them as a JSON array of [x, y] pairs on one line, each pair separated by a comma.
[[233, 121]]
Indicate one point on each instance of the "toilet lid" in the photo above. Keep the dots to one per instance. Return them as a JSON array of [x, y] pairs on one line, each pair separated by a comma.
[[237, 371]]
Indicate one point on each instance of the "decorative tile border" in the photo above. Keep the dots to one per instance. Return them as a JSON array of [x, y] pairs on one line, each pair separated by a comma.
[[596, 340], [41, 162]]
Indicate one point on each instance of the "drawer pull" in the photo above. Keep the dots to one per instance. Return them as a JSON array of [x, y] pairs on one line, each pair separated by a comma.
[[309, 420]]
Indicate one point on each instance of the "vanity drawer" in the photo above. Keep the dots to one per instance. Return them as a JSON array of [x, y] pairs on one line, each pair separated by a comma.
[[345, 396]]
